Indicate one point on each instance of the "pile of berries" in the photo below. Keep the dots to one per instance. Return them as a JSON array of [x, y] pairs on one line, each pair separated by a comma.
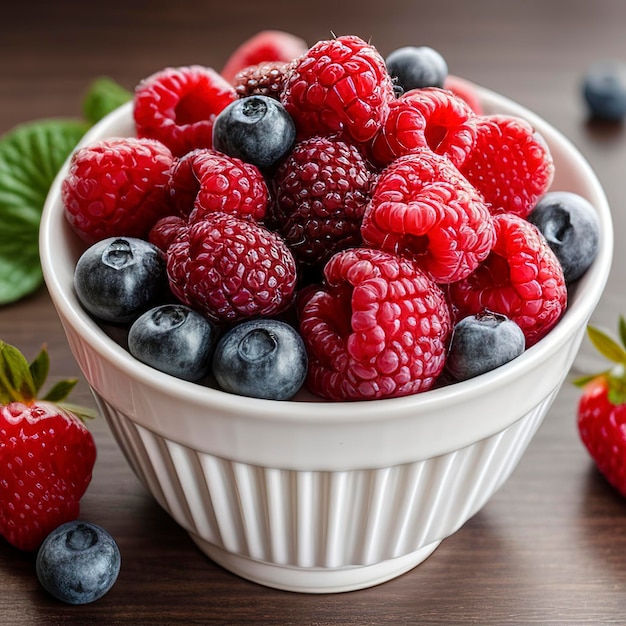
[[323, 216]]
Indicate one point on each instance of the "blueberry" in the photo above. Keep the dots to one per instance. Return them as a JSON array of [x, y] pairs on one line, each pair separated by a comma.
[[416, 67], [118, 278], [78, 562], [256, 129], [604, 90], [261, 358], [174, 339], [570, 225], [481, 343]]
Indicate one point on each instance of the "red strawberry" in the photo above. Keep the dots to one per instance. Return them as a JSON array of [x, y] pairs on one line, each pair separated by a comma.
[[422, 207], [521, 278], [178, 106], [116, 187], [510, 164], [602, 409], [267, 45], [46, 453], [340, 85], [378, 328]]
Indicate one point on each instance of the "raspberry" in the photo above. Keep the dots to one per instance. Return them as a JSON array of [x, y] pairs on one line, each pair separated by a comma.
[[265, 46], [178, 106], [229, 269], [116, 187], [510, 164], [205, 181], [339, 85], [378, 329], [422, 207], [264, 79], [165, 231], [428, 117], [521, 278], [321, 191], [466, 90]]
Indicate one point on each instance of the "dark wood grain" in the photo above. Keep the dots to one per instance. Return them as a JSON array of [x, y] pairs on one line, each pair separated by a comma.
[[550, 547]]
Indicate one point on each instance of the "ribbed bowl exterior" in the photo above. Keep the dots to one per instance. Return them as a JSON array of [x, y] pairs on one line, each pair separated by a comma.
[[321, 519]]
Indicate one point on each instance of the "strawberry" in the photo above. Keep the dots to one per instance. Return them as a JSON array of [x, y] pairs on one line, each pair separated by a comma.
[[602, 408], [46, 453], [265, 46]]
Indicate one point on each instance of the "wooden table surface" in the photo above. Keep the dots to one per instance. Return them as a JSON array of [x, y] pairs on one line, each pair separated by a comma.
[[550, 547]]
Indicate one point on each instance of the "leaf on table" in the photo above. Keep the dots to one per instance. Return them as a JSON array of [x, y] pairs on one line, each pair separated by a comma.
[[30, 157]]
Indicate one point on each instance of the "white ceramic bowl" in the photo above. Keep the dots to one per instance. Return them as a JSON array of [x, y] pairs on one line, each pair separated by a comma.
[[317, 496]]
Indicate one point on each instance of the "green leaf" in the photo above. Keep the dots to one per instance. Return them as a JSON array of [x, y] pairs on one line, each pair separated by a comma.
[[606, 345], [622, 330], [30, 157], [582, 381], [82, 412], [103, 96], [16, 382], [617, 385], [60, 390], [39, 369]]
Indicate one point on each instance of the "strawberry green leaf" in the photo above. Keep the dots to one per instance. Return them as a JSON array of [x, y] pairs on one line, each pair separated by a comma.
[[606, 345], [617, 385], [30, 157], [16, 382], [104, 95], [60, 391], [582, 381], [82, 412], [39, 369], [622, 330]]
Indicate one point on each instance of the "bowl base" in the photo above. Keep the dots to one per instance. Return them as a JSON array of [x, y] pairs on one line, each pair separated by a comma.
[[314, 579]]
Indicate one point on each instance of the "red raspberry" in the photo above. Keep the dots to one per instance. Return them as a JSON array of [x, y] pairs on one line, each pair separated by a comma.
[[321, 191], [116, 187], [204, 181], [521, 278], [378, 329], [510, 164], [230, 269], [466, 90], [266, 45], [422, 207], [428, 117], [166, 230], [179, 105], [265, 79], [339, 85]]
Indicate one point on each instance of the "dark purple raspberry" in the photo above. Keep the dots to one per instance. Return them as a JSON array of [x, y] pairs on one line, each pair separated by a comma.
[[321, 191]]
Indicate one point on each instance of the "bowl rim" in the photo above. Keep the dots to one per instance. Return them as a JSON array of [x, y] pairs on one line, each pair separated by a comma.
[[588, 292]]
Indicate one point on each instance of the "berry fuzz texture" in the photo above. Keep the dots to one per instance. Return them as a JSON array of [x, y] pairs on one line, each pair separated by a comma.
[[377, 328]]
